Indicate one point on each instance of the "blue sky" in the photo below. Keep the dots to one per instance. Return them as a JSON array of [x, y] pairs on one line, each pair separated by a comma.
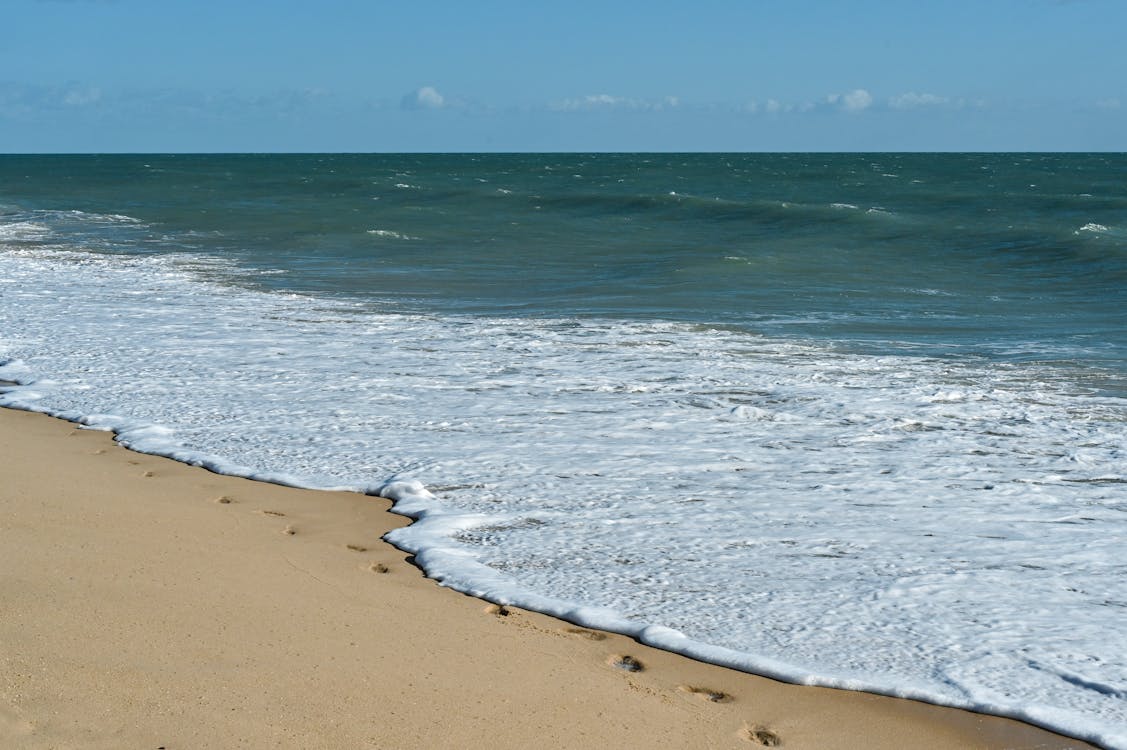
[[495, 75]]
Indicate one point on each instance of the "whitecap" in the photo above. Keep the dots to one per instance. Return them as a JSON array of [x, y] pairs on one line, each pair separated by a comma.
[[389, 234], [1092, 227]]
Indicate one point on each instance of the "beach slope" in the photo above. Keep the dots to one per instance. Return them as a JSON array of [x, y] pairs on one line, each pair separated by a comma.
[[148, 604]]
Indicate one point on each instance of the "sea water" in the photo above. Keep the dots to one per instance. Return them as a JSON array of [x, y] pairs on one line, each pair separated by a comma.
[[847, 420]]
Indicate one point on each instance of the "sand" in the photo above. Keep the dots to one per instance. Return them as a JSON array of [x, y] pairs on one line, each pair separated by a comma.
[[149, 604]]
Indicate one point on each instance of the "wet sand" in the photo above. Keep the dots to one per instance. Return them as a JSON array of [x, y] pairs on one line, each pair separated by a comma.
[[148, 604]]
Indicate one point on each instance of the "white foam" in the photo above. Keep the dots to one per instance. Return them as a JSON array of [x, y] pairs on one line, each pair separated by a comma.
[[389, 234], [94, 218], [23, 231], [936, 529]]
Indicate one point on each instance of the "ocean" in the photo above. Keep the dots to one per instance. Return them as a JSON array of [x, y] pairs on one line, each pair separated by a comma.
[[856, 420]]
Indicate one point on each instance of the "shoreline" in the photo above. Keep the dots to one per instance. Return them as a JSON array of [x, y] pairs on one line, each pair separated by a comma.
[[159, 603]]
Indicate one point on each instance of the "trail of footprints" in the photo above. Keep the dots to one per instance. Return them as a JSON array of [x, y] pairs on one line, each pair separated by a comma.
[[753, 733], [290, 530]]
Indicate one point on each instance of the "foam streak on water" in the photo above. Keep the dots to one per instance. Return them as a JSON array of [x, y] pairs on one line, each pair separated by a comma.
[[941, 528]]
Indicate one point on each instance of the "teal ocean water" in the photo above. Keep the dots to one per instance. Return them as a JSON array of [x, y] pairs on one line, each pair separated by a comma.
[[988, 252], [847, 419]]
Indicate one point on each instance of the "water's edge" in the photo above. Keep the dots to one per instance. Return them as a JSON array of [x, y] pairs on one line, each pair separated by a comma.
[[412, 500]]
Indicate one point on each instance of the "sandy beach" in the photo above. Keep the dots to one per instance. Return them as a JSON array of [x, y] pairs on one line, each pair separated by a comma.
[[149, 604]]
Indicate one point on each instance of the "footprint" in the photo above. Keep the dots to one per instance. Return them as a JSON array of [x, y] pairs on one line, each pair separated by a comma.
[[224, 500], [627, 663], [148, 474], [379, 568], [289, 530], [272, 513], [708, 694], [498, 609], [762, 736], [356, 548], [591, 635]]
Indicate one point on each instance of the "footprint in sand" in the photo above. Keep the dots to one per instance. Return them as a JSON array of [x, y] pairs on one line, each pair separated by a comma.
[[625, 662], [708, 694], [148, 474], [289, 530], [379, 568], [591, 635], [762, 736], [356, 548], [500, 610], [224, 500], [272, 513]]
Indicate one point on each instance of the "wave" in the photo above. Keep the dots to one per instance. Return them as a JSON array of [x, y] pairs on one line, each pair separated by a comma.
[[389, 234], [686, 207]]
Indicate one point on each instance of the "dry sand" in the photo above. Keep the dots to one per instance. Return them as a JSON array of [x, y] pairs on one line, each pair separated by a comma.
[[147, 604]]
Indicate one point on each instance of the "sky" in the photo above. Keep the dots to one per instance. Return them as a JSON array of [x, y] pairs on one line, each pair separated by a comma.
[[507, 75]]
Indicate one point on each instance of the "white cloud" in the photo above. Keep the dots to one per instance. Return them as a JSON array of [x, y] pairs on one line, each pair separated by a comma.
[[82, 97], [603, 100], [912, 100], [426, 97], [856, 100], [20, 99], [776, 107], [606, 102]]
